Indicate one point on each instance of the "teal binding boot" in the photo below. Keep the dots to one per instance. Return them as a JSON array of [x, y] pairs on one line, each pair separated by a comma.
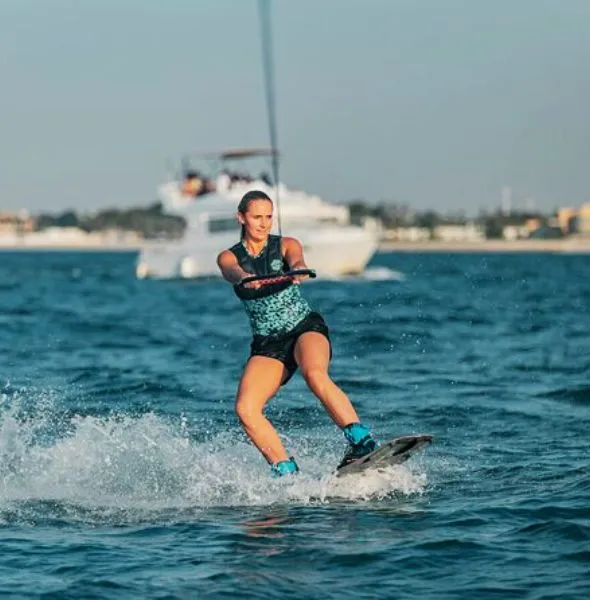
[[361, 443], [284, 467]]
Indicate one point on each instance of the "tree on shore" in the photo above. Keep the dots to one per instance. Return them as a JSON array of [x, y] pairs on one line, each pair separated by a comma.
[[394, 215], [150, 222]]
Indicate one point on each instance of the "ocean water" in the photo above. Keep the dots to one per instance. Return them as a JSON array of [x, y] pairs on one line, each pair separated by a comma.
[[124, 473]]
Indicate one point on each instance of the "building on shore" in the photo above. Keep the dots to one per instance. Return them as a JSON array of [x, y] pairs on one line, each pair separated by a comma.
[[566, 217], [582, 222], [406, 234], [574, 220], [15, 224], [469, 232]]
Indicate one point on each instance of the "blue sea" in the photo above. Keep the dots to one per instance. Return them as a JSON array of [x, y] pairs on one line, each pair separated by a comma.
[[124, 473]]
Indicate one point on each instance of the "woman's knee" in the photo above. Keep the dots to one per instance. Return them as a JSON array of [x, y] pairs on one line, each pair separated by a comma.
[[247, 410], [315, 377]]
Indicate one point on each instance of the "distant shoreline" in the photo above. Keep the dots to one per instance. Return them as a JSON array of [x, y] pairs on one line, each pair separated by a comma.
[[564, 245]]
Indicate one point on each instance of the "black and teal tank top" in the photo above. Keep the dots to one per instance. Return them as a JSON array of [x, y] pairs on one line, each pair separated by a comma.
[[275, 308]]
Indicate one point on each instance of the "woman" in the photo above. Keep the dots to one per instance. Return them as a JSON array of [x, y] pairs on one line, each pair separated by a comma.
[[287, 334]]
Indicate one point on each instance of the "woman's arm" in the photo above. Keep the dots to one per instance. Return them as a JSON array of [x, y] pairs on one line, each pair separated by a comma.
[[230, 268], [293, 252]]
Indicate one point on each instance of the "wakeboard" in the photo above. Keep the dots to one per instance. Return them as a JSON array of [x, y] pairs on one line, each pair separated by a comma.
[[393, 452]]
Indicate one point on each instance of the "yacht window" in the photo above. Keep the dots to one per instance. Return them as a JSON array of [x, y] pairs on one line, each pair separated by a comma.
[[224, 224]]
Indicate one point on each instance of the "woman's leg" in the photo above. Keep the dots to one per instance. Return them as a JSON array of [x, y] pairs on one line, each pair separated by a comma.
[[312, 354], [260, 381]]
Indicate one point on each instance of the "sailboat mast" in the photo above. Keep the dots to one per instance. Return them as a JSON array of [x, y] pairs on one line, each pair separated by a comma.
[[268, 67]]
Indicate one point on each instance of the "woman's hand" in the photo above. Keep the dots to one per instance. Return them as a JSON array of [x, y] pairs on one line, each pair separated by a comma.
[[254, 285], [299, 278], [251, 285]]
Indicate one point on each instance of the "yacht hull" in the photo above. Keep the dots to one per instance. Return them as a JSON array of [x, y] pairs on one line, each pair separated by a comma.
[[331, 251]]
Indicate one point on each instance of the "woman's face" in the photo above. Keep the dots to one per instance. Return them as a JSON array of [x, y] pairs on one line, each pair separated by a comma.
[[257, 219]]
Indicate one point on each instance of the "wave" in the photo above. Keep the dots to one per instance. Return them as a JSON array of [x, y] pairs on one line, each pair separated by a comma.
[[579, 394], [370, 274], [87, 467]]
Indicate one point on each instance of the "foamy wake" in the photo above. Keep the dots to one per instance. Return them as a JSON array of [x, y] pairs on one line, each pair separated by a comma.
[[370, 274], [149, 463], [383, 274]]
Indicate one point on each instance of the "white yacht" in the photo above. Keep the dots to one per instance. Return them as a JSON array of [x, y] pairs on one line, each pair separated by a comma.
[[332, 246]]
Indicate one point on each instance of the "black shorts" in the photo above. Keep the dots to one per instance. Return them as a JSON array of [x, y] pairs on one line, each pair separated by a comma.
[[282, 347]]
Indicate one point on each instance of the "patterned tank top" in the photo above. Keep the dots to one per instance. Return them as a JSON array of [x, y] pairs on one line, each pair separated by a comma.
[[276, 308]]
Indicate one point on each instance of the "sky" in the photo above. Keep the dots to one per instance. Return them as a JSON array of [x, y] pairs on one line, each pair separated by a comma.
[[438, 104]]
